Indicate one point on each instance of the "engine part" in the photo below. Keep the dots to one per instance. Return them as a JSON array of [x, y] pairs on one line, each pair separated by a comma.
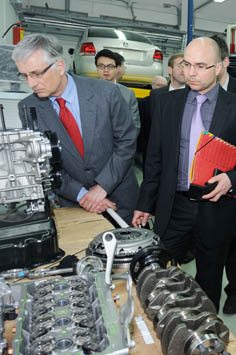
[[184, 318], [155, 256], [129, 242], [193, 332], [110, 244], [28, 242], [28, 167], [29, 171], [73, 315]]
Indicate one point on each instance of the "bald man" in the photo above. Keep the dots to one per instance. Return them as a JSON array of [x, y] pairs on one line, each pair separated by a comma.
[[158, 81], [165, 189]]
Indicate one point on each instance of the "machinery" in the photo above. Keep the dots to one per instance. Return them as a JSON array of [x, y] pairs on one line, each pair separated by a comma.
[[184, 318], [129, 241], [72, 315], [29, 171]]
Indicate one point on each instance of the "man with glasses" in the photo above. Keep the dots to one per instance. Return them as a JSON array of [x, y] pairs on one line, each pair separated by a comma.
[[180, 115], [92, 122], [177, 81], [108, 64]]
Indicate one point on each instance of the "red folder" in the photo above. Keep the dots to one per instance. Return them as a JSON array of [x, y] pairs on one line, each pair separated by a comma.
[[211, 153]]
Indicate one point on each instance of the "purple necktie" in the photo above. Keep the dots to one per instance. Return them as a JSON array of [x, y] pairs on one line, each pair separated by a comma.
[[196, 129]]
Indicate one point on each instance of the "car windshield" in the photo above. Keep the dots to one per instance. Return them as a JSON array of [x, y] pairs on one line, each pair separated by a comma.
[[117, 34]]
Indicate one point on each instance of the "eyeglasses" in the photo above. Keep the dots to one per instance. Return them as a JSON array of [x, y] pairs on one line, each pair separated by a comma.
[[179, 66], [108, 66], [35, 75], [197, 67]]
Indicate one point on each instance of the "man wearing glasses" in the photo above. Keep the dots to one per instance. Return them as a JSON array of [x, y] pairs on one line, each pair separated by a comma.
[[177, 81], [108, 64], [92, 122], [180, 115]]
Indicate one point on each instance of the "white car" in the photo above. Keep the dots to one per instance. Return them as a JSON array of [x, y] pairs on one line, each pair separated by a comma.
[[142, 59]]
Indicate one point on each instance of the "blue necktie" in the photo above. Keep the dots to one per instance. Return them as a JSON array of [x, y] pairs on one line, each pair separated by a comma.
[[196, 129]]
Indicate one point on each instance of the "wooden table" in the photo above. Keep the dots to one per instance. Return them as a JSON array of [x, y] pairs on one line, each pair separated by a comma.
[[76, 229]]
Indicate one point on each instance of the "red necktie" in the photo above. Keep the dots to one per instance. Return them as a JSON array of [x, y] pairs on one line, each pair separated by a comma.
[[70, 125]]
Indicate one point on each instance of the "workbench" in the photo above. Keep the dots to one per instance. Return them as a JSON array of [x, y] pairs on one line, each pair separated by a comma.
[[76, 228]]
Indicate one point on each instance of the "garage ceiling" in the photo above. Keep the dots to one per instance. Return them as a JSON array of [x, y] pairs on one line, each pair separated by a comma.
[[68, 21]]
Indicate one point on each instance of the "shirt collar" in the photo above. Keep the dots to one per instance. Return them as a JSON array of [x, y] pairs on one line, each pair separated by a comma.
[[69, 90], [171, 88], [211, 94], [226, 83]]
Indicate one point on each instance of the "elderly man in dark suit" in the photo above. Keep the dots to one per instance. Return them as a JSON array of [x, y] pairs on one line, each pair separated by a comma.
[[97, 159], [179, 115]]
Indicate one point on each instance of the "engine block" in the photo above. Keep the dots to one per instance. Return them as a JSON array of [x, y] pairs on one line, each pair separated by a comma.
[[25, 166]]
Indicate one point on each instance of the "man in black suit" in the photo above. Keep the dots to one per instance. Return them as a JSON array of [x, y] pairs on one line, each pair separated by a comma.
[[227, 81], [177, 81], [164, 191], [229, 84], [176, 74]]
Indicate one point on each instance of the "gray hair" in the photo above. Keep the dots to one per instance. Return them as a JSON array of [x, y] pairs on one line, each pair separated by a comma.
[[50, 46]]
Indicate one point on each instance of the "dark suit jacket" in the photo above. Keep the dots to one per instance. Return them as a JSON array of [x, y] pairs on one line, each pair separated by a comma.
[[232, 84], [109, 140], [159, 187], [145, 105]]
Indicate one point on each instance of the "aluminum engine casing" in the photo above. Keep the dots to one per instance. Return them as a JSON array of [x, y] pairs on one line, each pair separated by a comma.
[[73, 315], [25, 169]]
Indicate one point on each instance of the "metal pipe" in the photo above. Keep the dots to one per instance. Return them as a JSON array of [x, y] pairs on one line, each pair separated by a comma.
[[202, 5], [117, 218], [190, 21]]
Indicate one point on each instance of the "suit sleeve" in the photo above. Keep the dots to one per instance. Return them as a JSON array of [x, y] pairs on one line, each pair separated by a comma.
[[153, 166], [124, 143], [133, 105], [70, 187]]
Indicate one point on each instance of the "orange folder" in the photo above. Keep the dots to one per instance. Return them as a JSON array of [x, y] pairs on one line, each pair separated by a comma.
[[211, 153]]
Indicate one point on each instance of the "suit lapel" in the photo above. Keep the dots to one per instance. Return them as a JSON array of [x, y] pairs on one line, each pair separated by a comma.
[[87, 114], [52, 121], [221, 113], [177, 111]]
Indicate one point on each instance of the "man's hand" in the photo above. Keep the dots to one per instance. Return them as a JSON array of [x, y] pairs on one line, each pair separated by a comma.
[[95, 200], [104, 205], [222, 188], [140, 218], [92, 197]]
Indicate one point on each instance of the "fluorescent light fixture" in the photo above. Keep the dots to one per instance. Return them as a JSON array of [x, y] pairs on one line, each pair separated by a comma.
[[219, 1]]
